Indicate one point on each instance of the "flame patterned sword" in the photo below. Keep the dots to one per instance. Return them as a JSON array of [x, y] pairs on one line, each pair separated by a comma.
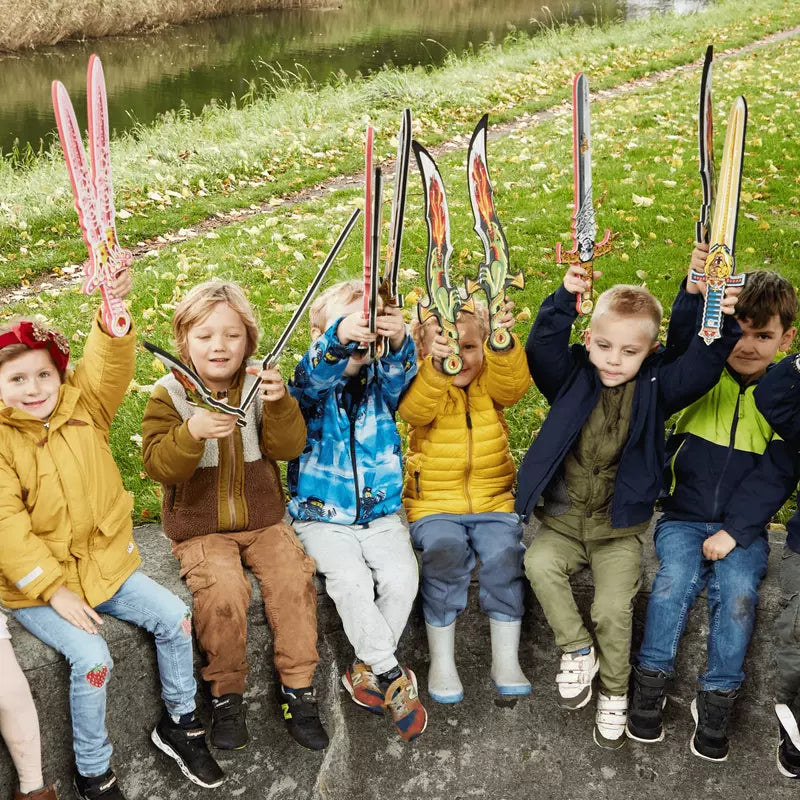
[[94, 194], [493, 273], [584, 227], [720, 266], [443, 300], [705, 141]]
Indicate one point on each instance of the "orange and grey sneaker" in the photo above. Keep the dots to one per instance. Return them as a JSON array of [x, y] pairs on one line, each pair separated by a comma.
[[364, 688], [402, 699]]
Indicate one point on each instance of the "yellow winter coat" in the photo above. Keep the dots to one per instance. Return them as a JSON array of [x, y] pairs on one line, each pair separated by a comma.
[[458, 461], [65, 518]]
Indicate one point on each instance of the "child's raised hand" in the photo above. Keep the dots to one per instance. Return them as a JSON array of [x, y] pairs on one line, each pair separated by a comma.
[[440, 348], [575, 279], [73, 609], [121, 284], [205, 424], [507, 320], [390, 324], [697, 263], [272, 386], [729, 300], [354, 328]]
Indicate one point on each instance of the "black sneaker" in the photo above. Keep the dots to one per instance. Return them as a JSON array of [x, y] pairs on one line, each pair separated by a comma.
[[186, 743], [228, 722], [101, 787], [711, 712], [648, 698], [788, 758], [300, 712]]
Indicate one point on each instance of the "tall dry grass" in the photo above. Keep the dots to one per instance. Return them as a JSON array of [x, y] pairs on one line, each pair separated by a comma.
[[32, 23]]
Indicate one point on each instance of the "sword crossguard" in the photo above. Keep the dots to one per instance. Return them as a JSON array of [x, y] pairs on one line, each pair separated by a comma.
[[718, 274], [584, 302]]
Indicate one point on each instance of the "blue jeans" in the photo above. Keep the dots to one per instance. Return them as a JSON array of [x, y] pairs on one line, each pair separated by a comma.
[[145, 603], [449, 543], [732, 599]]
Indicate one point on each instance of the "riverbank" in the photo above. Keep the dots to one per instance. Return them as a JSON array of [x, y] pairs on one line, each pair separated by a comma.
[[647, 187], [29, 24]]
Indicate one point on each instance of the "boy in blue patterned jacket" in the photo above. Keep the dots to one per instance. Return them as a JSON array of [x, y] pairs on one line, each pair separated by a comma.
[[346, 490]]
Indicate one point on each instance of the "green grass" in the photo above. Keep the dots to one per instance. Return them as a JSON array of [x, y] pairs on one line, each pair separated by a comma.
[[181, 170], [646, 189]]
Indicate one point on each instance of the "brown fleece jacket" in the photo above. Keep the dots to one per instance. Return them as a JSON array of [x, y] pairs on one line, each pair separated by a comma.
[[223, 485]]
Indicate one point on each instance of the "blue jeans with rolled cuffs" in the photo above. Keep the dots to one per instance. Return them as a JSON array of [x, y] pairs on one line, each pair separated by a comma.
[[145, 603], [449, 544], [732, 599]]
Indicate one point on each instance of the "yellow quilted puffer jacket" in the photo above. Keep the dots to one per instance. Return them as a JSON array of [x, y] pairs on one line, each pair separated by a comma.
[[65, 517], [458, 461]]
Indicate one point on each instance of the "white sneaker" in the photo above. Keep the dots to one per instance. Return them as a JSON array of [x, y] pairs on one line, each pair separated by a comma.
[[444, 685], [574, 680], [506, 672], [610, 720]]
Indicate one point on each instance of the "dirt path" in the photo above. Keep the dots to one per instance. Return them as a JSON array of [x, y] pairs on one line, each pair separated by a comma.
[[52, 281]]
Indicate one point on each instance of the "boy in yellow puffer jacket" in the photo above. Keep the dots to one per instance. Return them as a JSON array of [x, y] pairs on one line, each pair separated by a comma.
[[458, 495], [66, 542]]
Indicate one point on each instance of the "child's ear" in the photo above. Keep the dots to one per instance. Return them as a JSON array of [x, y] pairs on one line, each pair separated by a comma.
[[653, 347], [587, 337], [316, 332], [787, 339]]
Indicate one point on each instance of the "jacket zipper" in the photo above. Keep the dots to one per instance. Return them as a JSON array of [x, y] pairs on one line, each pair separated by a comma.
[[231, 502], [672, 467], [469, 452], [355, 472], [734, 426]]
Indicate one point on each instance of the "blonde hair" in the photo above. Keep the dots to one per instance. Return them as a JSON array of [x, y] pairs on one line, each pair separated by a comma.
[[198, 303], [480, 317], [626, 300], [340, 294]]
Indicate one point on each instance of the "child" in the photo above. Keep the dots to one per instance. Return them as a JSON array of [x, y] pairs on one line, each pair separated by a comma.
[[223, 506], [67, 550], [597, 462], [458, 498], [19, 724], [726, 474], [777, 396], [345, 492]]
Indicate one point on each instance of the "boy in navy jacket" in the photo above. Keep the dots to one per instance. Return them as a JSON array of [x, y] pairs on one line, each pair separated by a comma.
[[597, 464]]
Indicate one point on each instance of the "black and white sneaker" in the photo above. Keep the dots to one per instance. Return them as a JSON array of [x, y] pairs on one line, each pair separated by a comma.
[[301, 715], [101, 787], [711, 712], [185, 741], [646, 711], [788, 758], [229, 722]]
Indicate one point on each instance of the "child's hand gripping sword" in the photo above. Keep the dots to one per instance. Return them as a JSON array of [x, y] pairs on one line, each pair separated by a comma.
[[388, 289], [584, 227], [705, 140], [443, 300], [720, 268], [94, 194], [275, 354], [493, 273]]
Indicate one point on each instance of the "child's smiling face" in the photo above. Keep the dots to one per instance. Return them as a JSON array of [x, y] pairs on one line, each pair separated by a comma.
[[217, 346], [30, 382]]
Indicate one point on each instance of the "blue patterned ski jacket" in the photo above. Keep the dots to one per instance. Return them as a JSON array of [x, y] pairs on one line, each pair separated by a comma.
[[350, 471]]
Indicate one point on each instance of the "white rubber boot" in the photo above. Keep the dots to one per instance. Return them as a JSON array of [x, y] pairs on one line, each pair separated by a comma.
[[506, 672], [444, 685]]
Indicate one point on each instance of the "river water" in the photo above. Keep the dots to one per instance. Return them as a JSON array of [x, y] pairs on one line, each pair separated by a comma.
[[188, 66]]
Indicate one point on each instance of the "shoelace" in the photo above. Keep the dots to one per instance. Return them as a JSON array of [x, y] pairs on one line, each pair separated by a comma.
[[398, 703], [716, 718], [647, 698]]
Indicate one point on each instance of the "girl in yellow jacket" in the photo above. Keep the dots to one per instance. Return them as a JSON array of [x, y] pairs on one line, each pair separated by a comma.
[[458, 495], [66, 545]]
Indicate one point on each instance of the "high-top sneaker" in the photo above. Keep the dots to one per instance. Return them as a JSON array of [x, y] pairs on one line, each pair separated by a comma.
[[301, 715], [648, 698], [711, 712], [229, 722], [100, 787], [788, 758], [185, 741]]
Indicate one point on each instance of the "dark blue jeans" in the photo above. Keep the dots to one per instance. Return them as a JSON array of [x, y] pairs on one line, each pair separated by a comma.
[[732, 598]]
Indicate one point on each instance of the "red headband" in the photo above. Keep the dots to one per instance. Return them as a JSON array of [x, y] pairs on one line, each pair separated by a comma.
[[37, 338]]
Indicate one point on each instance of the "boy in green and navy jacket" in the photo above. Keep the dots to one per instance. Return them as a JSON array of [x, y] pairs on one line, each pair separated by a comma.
[[727, 473]]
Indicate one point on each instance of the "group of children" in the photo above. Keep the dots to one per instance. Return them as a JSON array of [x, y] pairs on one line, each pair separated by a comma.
[[592, 477]]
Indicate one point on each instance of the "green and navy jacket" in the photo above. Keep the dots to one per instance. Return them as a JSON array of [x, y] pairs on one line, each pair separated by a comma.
[[725, 463], [350, 471]]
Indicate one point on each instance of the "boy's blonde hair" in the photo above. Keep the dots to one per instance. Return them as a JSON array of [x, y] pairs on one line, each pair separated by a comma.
[[340, 294], [481, 317], [198, 303], [626, 300]]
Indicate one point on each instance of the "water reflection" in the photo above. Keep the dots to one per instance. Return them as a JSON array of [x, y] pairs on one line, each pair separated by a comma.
[[192, 64]]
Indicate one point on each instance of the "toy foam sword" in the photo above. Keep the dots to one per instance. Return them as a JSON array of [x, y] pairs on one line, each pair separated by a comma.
[[705, 140], [388, 289], [720, 266], [443, 300], [584, 227], [94, 194], [283, 340], [493, 273]]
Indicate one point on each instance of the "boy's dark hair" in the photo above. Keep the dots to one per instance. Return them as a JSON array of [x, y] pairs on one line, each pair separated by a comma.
[[765, 294]]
